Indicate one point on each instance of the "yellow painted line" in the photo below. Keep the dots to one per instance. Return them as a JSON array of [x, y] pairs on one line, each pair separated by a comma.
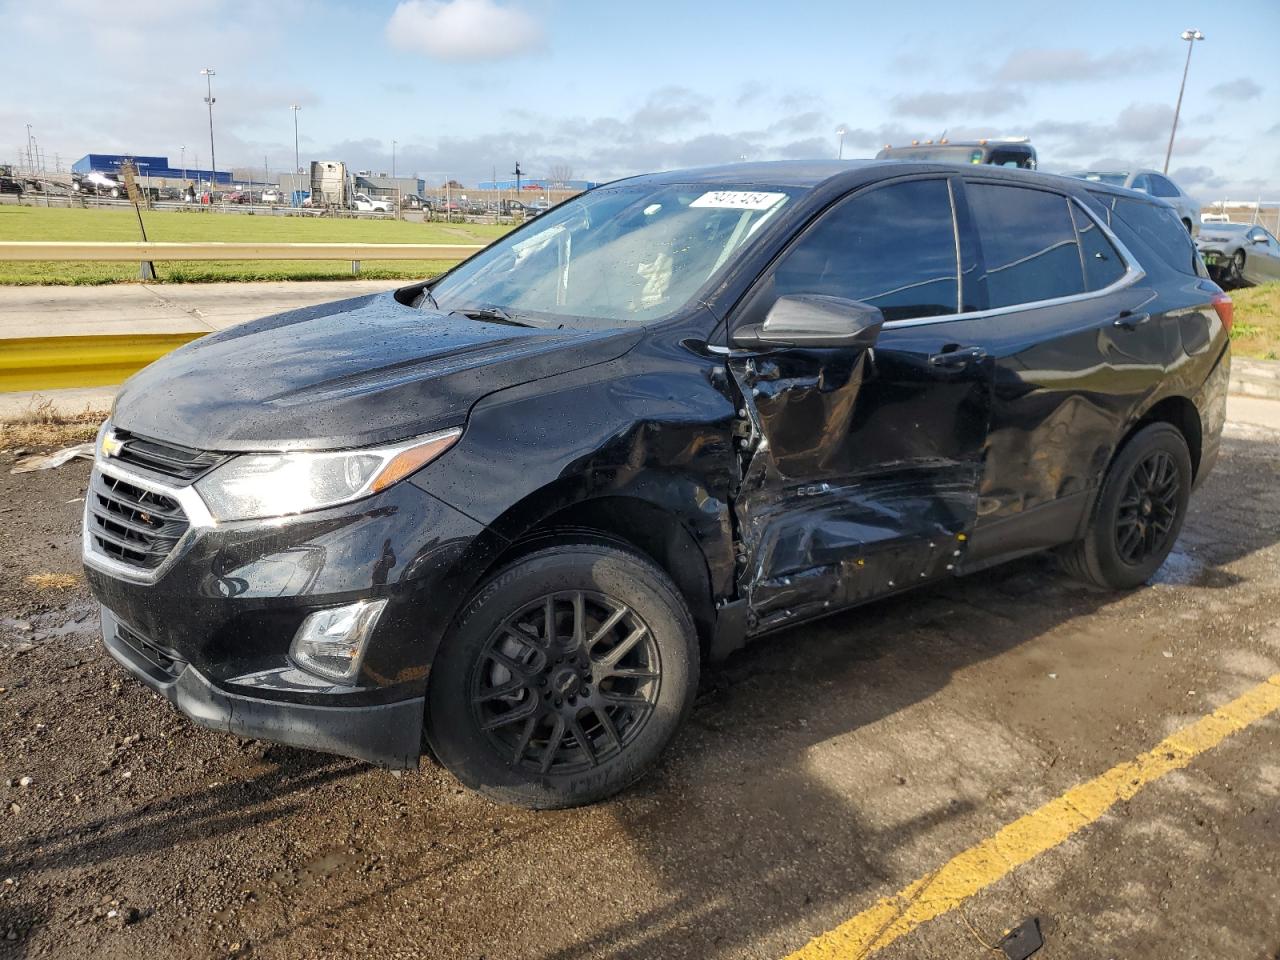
[[51, 363], [1013, 845]]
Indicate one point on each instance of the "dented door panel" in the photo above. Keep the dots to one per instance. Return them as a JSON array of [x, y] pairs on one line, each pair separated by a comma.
[[860, 470]]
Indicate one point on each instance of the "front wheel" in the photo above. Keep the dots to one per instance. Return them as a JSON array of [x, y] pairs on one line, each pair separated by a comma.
[[1237, 267], [1139, 511], [567, 675]]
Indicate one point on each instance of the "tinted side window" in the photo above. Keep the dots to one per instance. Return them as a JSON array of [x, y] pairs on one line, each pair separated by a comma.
[[1103, 265], [1028, 242], [1160, 229], [1162, 187], [894, 247], [1141, 182]]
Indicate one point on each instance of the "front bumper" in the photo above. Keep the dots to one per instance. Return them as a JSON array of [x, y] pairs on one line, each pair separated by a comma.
[[388, 735], [211, 628]]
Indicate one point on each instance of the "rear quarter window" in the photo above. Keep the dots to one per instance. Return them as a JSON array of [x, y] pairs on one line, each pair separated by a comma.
[[1159, 229]]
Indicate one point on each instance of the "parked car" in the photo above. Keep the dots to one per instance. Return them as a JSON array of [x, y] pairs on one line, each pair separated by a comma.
[[99, 184], [1240, 253], [1215, 218], [362, 201], [272, 195], [238, 196], [411, 201], [515, 507], [8, 182], [1154, 183], [1000, 152]]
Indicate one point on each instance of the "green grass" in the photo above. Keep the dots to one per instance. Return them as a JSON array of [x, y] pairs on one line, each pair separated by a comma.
[[40, 223], [1256, 332]]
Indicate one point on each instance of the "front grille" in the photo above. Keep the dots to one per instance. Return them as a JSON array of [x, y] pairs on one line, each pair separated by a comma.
[[177, 463], [133, 525]]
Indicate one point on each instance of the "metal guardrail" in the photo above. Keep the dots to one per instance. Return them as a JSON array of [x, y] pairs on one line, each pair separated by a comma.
[[144, 253], [45, 250], [52, 363]]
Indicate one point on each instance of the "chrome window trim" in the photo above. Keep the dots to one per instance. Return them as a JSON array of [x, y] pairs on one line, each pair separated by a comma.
[[1132, 274], [198, 518]]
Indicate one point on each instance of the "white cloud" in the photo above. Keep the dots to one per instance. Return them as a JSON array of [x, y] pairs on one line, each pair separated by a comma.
[[463, 29]]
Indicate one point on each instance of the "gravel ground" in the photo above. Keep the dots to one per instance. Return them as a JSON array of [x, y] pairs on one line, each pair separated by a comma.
[[823, 768]]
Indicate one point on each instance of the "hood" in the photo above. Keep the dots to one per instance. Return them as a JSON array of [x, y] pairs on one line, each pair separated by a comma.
[[346, 374]]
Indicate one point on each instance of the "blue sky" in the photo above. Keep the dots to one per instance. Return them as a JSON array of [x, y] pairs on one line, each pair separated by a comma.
[[608, 89]]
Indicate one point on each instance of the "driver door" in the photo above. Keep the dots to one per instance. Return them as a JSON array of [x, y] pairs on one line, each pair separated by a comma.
[[861, 467]]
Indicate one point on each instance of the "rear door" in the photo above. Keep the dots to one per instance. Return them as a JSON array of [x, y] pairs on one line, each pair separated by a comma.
[[1077, 343], [860, 474]]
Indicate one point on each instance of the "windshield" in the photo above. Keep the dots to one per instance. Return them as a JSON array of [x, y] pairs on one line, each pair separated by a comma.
[[1115, 179], [613, 255], [938, 154]]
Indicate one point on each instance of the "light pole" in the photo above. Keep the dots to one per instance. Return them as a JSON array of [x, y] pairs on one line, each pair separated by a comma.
[[208, 75], [393, 159], [184, 162], [1191, 36], [297, 164], [840, 132]]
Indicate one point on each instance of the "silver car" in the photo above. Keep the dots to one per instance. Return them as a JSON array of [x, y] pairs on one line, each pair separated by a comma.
[[1240, 252], [1154, 183]]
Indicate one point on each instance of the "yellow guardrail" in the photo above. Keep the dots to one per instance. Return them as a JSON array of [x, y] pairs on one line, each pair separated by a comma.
[[52, 363], [44, 250]]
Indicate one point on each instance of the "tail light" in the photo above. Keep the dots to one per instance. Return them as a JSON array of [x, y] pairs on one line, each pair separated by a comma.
[[1225, 309]]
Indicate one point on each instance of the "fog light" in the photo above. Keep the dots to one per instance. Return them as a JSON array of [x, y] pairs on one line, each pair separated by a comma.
[[331, 643]]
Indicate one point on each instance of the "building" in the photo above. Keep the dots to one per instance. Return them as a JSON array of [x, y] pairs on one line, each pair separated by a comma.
[[153, 168]]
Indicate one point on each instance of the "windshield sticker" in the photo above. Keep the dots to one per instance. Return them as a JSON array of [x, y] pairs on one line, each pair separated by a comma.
[[738, 200]]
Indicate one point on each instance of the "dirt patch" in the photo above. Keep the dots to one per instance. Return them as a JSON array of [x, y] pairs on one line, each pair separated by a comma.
[[42, 424], [822, 768]]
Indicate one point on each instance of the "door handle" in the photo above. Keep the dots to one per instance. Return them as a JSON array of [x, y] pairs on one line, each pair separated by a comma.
[[1130, 321], [959, 357]]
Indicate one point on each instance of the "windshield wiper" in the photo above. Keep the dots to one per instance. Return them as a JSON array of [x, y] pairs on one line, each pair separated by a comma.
[[490, 313]]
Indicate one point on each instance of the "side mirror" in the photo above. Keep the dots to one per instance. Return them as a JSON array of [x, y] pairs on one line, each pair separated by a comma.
[[1262, 238], [810, 320]]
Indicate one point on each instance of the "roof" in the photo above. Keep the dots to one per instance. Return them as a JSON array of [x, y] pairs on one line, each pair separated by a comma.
[[777, 173]]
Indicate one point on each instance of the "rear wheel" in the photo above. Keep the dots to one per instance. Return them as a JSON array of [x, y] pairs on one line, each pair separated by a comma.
[[1139, 511], [567, 675]]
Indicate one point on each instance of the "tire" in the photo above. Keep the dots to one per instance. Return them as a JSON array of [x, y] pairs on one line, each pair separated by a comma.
[[1143, 495], [1236, 273], [497, 669]]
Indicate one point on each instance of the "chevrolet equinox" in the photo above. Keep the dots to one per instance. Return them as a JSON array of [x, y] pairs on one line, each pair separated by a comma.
[[505, 514]]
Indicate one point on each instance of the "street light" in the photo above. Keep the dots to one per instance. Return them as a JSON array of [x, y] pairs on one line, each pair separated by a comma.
[[297, 164], [840, 132], [1191, 36], [208, 75], [393, 159], [184, 161]]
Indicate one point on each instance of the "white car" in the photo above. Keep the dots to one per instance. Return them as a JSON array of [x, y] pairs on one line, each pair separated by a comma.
[[1154, 183], [272, 196], [362, 201]]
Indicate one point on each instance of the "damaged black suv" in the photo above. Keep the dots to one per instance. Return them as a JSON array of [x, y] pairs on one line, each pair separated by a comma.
[[505, 514]]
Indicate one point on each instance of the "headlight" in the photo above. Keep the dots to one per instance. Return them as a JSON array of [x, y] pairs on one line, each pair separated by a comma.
[[257, 485]]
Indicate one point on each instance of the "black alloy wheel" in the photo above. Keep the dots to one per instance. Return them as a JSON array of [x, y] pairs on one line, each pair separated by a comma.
[[564, 677], [1148, 509], [566, 682], [1138, 513]]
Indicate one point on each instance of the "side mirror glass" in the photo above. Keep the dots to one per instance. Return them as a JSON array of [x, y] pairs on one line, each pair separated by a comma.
[[811, 320]]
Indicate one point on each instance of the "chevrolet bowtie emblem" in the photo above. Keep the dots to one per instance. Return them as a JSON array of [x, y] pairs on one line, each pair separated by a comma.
[[111, 445]]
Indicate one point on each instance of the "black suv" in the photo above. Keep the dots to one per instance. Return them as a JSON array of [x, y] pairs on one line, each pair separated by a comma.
[[512, 509]]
